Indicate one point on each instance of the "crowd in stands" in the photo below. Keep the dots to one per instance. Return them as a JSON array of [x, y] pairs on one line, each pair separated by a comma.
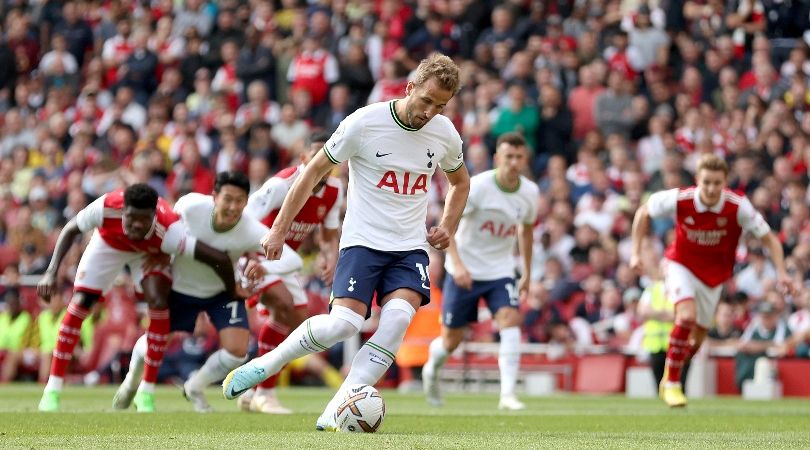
[[616, 98]]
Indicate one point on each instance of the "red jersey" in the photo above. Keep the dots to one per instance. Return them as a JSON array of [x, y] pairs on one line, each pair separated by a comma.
[[313, 72], [105, 215], [322, 208], [706, 238]]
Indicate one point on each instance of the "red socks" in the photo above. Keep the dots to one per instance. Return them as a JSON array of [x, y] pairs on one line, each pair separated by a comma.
[[157, 336], [271, 335], [679, 350], [67, 339]]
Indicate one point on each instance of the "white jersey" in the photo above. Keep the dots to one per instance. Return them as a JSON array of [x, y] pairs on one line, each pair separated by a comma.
[[390, 169], [194, 278], [488, 229]]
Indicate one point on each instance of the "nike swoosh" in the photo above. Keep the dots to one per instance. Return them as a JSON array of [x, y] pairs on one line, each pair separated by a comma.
[[379, 155], [233, 321], [425, 287], [237, 393]]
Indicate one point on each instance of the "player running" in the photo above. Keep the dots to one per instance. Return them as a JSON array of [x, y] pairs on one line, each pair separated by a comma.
[[284, 293], [709, 220], [218, 220], [131, 225], [393, 149], [500, 211]]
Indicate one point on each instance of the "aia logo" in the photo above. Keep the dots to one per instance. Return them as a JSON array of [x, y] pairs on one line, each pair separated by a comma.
[[403, 183], [500, 230]]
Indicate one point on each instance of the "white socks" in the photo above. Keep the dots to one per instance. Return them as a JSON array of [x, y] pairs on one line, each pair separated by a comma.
[[316, 334], [216, 367], [377, 355], [55, 383], [509, 360], [437, 356]]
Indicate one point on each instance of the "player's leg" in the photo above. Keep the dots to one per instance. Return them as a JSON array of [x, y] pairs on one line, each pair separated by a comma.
[[459, 308], [129, 386], [405, 286], [680, 287], [98, 267], [229, 317], [502, 298], [289, 312], [156, 287], [357, 274]]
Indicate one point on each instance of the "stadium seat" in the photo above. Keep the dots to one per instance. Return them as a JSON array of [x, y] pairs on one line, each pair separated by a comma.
[[600, 374]]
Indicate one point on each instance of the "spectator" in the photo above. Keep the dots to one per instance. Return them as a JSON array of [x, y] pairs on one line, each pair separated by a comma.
[[192, 15], [313, 70], [256, 63], [518, 116], [613, 110], [76, 31], [189, 175], [16, 334], [765, 336]]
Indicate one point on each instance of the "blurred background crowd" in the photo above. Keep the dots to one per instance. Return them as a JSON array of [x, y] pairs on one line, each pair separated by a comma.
[[617, 99]]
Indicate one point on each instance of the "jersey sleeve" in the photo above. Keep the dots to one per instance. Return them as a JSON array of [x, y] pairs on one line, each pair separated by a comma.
[[268, 198], [177, 241], [92, 216], [663, 203], [751, 220], [454, 158], [332, 219], [345, 141], [184, 204]]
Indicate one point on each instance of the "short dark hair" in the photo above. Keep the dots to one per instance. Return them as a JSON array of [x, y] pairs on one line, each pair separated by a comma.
[[511, 138], [319, 136], [141, 196], [233, 178]]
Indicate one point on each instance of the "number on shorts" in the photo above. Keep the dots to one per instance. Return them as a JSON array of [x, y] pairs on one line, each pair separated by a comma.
[[423, 271], [513, 294], [234, 305]]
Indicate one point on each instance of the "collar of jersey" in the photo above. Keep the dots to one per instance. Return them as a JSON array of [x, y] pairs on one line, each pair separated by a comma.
[[392, 107], [503, 188], [701, 207], [213, 227]]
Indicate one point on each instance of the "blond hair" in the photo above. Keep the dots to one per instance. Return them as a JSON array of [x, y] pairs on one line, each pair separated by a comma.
[[712, 162], [441, 68]]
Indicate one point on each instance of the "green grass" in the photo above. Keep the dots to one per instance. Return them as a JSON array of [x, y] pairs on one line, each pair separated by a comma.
[[467, 421]]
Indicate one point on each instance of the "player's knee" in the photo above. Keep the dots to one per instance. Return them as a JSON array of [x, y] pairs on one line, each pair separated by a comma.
[[345, 322], [156, 291], [85, 300], [397, 314], [508, 317]]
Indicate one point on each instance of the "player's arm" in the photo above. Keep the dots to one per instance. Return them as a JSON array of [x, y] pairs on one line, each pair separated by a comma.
[[777, 254], [301, 189], [220, 262], [660, 204], [525, 239], [47, 285], [89, 218], [639, 230], [461, 276], [328, 256], [439, 236]]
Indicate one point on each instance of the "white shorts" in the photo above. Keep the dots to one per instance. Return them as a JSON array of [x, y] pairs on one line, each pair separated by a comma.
[[682, 284], [100, 264], [291, 282]]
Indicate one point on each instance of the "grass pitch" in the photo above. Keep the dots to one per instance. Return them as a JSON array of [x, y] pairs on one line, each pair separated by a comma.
[[466, 421]]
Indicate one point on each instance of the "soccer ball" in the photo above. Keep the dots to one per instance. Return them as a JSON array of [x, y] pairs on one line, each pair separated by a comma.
[[362, 411]]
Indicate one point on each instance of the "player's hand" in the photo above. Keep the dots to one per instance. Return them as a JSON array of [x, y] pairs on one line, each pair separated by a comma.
[[47, 286], [462, 278], [785, 284], [243, 291], [326, 266], [273, 244], [438, 237], [156, 262], [254, 272], [523, 288], [635, 263]]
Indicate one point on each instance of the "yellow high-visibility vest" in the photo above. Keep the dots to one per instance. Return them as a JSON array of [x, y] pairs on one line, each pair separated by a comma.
[[656, 333]]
